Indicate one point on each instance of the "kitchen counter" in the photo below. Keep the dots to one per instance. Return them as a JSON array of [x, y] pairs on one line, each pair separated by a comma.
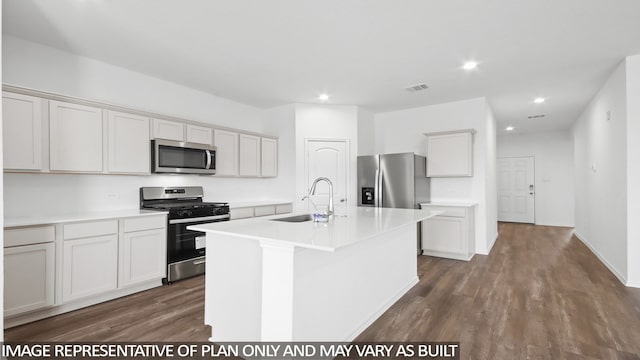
[[37, 219], [360, 224], [280, 281]]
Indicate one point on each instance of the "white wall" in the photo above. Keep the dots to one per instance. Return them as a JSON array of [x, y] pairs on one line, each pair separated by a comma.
[[325, 122], [402, 131], [366, 132], [553, 152], [39, 67], [281, 120], [491, 194], [600, 150], [633, 170]]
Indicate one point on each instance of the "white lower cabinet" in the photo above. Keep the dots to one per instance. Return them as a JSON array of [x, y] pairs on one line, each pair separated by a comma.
[[143, 252], [28, 278], [451, 234], [90, 266]]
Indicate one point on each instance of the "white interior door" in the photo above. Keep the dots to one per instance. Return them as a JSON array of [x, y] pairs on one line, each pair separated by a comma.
[[516, 189], [330, 159]]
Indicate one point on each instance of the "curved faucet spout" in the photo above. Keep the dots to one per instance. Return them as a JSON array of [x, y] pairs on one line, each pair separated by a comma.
[[312, 191]]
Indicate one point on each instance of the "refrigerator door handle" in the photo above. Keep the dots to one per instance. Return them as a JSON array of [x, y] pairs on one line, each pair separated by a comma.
[[380, 191], [376, 189]]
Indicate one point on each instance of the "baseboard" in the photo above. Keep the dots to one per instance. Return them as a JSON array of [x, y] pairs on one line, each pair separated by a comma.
[[382, 310], [604, 261], [556, 224], [633, 284]]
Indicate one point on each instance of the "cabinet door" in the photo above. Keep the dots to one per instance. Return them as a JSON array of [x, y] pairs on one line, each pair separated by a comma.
[[22, 131], [28, 278], [89, 267], [269, 156], [249, 155], [129, 144], [450, 155], [226, 143], [143, 255], [170, 130], [75, 137], [199, 134], [444, 234]]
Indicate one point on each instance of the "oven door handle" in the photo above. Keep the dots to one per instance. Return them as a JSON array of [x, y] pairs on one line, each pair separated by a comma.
[[206, 218]]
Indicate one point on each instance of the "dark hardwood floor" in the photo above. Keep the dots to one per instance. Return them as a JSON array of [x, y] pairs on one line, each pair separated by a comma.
[[540, 294]]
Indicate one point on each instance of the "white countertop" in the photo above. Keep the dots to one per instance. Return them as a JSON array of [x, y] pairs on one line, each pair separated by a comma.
[[84, 216], [453, 203], [360, 224], [245, 204]]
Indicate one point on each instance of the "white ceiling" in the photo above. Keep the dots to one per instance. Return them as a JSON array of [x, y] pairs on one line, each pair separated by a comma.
[[362, 52]]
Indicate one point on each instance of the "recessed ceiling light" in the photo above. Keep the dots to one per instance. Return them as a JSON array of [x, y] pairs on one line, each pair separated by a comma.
[[509, 128], [538, 100], [323, 97], [470, 65]]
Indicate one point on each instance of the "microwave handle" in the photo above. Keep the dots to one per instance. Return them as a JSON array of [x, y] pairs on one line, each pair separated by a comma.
[[208, 166]]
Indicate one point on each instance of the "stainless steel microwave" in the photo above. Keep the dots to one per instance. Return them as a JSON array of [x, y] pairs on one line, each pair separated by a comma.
[[182, 157]]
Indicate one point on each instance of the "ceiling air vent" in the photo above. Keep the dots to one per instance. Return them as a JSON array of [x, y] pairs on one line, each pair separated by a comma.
[[417, 87], [535, 116]]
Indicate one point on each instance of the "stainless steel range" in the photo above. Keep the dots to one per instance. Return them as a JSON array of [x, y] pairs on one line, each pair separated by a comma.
[[185, 248]]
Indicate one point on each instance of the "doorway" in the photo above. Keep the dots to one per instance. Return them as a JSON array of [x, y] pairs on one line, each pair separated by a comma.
[[330, 159], [516, 189]]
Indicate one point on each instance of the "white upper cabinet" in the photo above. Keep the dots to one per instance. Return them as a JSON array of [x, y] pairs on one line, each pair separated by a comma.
[[166, 129], [450, 154], [22, 131], [226, 143], [75, 137], [269, 156], [249, 155], [128, 144], [199, 134]]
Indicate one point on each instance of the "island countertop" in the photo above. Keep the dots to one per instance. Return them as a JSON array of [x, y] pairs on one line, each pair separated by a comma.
[[359, 224]]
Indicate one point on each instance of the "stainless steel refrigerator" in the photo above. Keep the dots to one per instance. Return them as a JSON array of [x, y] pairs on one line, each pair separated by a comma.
[[393, 181]]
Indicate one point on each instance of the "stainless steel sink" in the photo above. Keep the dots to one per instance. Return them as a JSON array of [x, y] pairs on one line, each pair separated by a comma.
[[296, 219]]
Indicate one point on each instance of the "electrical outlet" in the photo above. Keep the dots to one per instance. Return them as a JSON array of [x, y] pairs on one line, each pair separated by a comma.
[[608, 115]]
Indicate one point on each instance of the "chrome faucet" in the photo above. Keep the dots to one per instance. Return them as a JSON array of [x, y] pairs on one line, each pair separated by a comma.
[[312, 191]]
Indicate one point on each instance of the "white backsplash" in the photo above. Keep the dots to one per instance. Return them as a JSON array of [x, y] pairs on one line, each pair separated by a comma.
[[42, 194]]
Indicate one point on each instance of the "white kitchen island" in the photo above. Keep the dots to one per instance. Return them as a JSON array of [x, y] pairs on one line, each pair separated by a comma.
[[283, 281]]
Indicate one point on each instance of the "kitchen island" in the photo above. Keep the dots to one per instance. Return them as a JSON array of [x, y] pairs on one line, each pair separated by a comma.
[[269, 280]]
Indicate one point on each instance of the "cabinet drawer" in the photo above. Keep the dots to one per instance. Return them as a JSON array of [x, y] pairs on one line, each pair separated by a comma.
[[447, 210], [284, 208], [241, 213], [144, 223], [90, 229], [264, 210], [29, 235]]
